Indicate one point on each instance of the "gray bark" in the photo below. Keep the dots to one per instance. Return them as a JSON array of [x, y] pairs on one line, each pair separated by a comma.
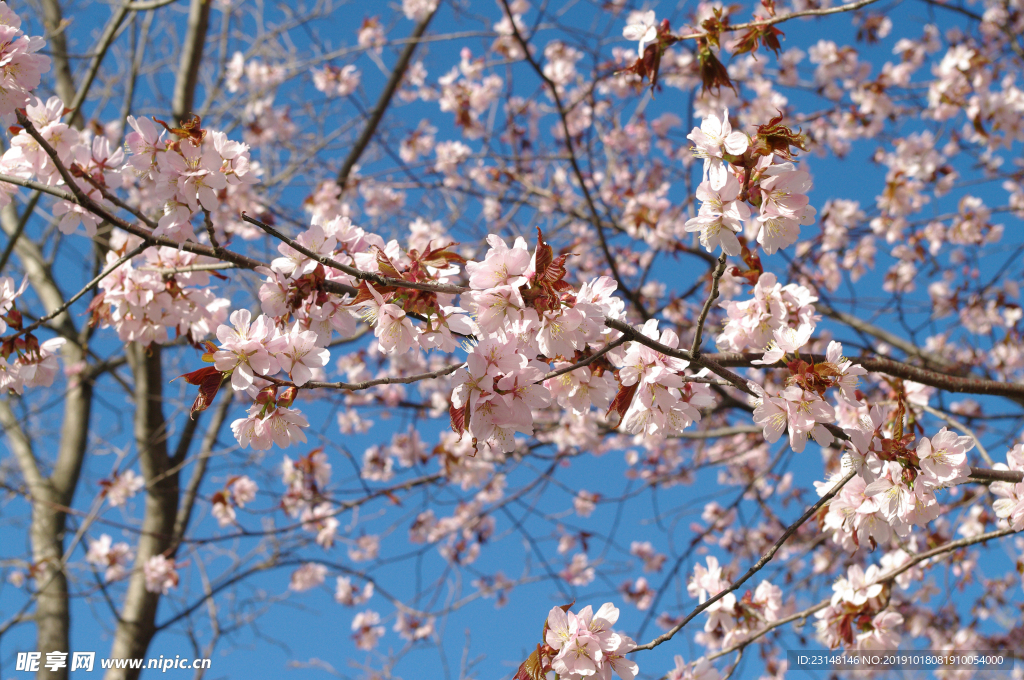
[[137, 626], [50, 494]]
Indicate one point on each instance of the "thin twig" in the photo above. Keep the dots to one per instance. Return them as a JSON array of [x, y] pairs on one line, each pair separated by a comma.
[[716, 276], [884, 578], [785, 17], [12, 240], [103, 46]]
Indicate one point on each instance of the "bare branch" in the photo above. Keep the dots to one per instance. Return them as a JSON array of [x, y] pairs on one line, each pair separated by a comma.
[[99, 52], [386, 95], [191, 57], [786, 17]]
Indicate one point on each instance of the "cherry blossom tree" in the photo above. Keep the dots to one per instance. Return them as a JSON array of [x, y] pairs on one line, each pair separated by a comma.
[[623, 318]]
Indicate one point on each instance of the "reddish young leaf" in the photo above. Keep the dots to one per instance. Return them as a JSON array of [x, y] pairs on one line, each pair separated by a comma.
[[387, 267], [198, 376], [543, 255], [774, 137], [209, 380], [458, 418], [532, 668], [620, 404], [211, 349], [190, 129], [713, 73], [440, 257], [554, 272]]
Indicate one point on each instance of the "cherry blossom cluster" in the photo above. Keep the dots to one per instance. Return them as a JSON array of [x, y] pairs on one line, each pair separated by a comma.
[[20, 65], [160, 295], [775, 312], [161, 574], [740, 172], [801, 408], [527, 316], [307, 497], [92, 158], [336, 82], [300, 316], [112, 557], [468, 93], [896, 481], [121, 487], [197, 172], [662, 402], [463, 533], [582, 645], [1010, 506], [191, 173], [859, 616], [26, 362], [237, 491], [730, 620]]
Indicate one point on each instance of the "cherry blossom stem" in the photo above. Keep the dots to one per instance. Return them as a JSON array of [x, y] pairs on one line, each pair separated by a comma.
[[716, 276], [216, 266], [732, 668], [366, 384], [352, 271], [152, 224]]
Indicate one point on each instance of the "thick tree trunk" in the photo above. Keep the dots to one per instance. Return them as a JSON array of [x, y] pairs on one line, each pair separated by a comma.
[[53, 21], [137, 626], [138, 616], [52, 616], [51, 495]]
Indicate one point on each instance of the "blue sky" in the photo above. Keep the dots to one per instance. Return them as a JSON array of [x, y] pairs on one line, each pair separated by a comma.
[[307, 626]]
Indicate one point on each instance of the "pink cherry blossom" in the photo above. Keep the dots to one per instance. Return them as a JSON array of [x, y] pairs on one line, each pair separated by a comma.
[[721, 215], [712, 139], [394, 331], [308, 576], [161, 574], [300, 356], [503, 266], [113, 557]]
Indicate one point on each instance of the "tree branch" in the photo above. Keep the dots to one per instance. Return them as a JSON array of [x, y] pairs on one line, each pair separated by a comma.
[[191, 59], [383, 101]]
